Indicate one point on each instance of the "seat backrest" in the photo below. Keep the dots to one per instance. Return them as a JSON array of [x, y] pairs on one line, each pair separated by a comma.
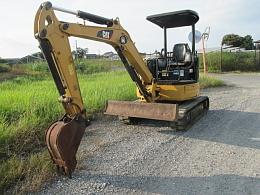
[[181, 52]]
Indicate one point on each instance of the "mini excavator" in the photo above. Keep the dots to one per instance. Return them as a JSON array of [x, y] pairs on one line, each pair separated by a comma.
[[167, 86]]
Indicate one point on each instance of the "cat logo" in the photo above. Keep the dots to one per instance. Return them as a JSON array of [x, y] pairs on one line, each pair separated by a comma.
[[105, 34]]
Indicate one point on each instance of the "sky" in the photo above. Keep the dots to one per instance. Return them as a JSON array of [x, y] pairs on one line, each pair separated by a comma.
[[222, 16]]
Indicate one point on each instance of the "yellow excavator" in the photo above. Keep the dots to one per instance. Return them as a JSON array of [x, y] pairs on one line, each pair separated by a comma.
[[167, 86]]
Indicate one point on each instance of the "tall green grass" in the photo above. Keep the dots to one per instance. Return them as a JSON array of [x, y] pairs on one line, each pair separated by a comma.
[[29, 104], [244, 62], [4, 68], [95, 65], [97, 88], [83, 66], [207, 81]]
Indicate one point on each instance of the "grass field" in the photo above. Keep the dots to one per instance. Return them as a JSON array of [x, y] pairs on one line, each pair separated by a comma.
[[29, 104], [231, 62]]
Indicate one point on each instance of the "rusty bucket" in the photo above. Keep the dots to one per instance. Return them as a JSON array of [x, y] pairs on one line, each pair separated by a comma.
[[62, 139]]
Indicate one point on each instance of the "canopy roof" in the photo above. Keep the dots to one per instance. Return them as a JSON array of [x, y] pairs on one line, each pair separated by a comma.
[[174, 19]]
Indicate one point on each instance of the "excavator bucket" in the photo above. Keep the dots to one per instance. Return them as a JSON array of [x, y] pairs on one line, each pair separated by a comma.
[[157, 111], [63, 139]]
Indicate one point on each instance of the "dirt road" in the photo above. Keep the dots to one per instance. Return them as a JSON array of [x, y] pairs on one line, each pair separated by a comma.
[[220, 154]]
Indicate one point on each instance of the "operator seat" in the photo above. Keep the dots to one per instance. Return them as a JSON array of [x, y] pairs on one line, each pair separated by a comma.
[[181, 54]]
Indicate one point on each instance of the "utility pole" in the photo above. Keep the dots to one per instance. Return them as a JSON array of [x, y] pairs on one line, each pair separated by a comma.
[[76, 50], [205, 37]]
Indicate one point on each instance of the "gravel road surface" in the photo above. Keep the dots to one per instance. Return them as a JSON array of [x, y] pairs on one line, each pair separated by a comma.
[[218, 155]]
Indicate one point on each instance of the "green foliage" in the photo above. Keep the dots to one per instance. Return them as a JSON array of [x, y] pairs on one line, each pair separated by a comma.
[[80, 52], [40, 68], [3, 60], [4, 68], [210, 81], [28, 105], [244, 62], [103, 86], [238, 41], [83, 66], [37, 69], [232, 39], [11, 172], [34, 171], [91, 66], [247, 42]]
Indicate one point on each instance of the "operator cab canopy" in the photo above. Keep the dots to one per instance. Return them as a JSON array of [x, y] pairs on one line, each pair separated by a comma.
[[174, 19]]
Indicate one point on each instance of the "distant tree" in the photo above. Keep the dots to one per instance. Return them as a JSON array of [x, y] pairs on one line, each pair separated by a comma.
[[232, 39], [80, 52], [247, 42], [238, 41]]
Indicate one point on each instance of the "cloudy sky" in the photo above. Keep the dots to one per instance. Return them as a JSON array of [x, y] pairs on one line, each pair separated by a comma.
[[222, 16]]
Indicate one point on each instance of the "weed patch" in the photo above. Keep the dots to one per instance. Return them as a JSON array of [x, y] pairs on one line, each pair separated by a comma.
[[210, 81], [4, 68]]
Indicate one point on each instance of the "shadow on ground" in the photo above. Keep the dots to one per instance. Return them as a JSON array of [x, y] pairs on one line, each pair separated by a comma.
[[217, 184]]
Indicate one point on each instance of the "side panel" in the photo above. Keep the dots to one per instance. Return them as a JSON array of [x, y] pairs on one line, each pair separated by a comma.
[[179, 92], [176, 92]]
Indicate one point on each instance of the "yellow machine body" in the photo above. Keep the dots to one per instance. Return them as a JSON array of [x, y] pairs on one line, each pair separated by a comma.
[[175, 92]]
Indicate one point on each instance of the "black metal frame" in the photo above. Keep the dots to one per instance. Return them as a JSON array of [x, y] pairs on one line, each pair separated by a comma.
[[173, 20]]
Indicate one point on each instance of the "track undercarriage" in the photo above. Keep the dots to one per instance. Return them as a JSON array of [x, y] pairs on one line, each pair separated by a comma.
[[190, 112]]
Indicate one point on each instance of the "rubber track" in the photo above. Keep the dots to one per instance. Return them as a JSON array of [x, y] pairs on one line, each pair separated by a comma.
[[190, 112]]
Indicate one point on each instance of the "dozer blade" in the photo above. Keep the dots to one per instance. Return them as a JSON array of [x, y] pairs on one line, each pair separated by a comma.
[[63, 139], [182, 115], [158, 111]]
